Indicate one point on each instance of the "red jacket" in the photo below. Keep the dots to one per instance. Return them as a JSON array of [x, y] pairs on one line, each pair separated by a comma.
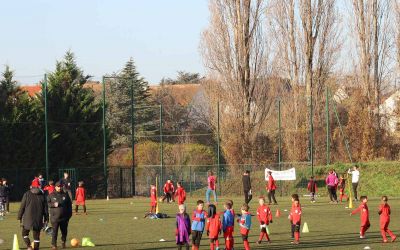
[[49, 188], [363, 208], [271, 183], [264, 214], [384, 212], [213, 226], [168, 187], [312, 186], [295, 214], [80, 195], [153, 195], [35, 183], [180, 194]]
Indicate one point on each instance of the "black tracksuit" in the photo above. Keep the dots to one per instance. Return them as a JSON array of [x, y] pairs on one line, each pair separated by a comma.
[[60, 212], [246, 188], [33, 212]]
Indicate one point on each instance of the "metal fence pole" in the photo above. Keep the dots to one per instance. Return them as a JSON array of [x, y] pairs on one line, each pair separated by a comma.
[[311, 136], [190, 180], [280, 135], [218, 152], [161, 147], [46, 125], [104, 139], [327, 127], [346, 143], [133, 179]]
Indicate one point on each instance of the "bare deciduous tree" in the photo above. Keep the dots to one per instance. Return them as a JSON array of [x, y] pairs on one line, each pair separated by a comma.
[[307, 44], [235, 53]]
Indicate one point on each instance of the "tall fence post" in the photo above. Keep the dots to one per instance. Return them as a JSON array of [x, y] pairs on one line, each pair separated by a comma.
[[133, 176], [311, 136], [328, 148], [280, 141], [161, 148], [218, 152], [190, 180], [346, 143], [104, 139], [46, 125]]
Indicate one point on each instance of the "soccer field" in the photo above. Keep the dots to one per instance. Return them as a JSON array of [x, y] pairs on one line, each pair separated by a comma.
[[111, 225]]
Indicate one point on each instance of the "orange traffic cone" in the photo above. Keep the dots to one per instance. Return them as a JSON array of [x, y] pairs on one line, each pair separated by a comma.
[[278, 213]]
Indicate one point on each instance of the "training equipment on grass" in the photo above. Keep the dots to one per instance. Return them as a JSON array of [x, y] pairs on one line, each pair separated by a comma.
[[15, 243], [1, 241], [278, 213], [305, 228], [349, 189], [74, 242], [87, 242], [162, 240]]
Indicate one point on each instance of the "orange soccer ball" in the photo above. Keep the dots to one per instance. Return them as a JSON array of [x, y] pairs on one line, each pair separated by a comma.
[[74, 242]]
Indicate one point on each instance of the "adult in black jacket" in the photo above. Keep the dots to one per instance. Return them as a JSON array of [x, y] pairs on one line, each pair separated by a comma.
[[60, 212], [66, 184], [247, 187], [33, 213]]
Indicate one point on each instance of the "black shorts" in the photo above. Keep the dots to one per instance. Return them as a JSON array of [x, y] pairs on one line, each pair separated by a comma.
[[296, 227], [244, 237], [196, 237]]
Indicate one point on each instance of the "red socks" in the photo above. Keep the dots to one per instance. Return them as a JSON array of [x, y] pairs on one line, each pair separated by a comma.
[[212, 246], [297, 236], [262, 236], [246, 245]]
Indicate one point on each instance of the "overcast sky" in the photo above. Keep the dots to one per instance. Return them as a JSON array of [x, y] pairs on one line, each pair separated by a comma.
[[161, 36]]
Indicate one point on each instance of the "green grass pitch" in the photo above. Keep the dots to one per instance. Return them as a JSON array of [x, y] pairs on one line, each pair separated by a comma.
[[111, 225]]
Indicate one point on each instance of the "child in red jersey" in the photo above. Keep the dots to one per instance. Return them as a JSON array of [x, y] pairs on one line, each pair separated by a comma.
[[80, 197], [49, 188], [342, 186], [294, 197], [363, 209], [168, 191], [264, 216], [384, 212], [245, 224], [180, 193], [295, 218], [228, 221], [312, 188], [213, 226], [153, 199]]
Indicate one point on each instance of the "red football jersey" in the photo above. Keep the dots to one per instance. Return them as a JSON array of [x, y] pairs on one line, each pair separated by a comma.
[[295, 214], [363, 209], [80, 195], [180, 194], [213, 225], [264, 214]]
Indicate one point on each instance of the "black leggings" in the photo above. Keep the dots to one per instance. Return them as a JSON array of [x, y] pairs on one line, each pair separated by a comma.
[[76, 208], [271, 196], [63, 225], [36, 238], [355, 185], [247, 197], [332, 193], [181, 245]]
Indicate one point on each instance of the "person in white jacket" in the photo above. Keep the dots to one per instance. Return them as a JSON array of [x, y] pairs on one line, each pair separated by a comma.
[[355, 178]]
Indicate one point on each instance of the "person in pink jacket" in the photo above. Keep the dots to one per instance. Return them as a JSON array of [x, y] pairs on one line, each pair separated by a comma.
[[331, 183]]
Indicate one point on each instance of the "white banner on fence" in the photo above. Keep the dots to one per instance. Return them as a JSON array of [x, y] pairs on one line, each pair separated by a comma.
[[285, 175]]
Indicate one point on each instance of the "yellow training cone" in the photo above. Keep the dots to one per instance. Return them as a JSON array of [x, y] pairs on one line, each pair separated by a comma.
[[15, 243], [305, 228]]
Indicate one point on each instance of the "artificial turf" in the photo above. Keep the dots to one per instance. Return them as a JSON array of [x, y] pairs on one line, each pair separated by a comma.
[[112, 225]]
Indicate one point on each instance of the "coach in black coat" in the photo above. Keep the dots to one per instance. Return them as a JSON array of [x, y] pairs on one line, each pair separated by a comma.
[[247, 186], [60, 212], [33, 213]]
